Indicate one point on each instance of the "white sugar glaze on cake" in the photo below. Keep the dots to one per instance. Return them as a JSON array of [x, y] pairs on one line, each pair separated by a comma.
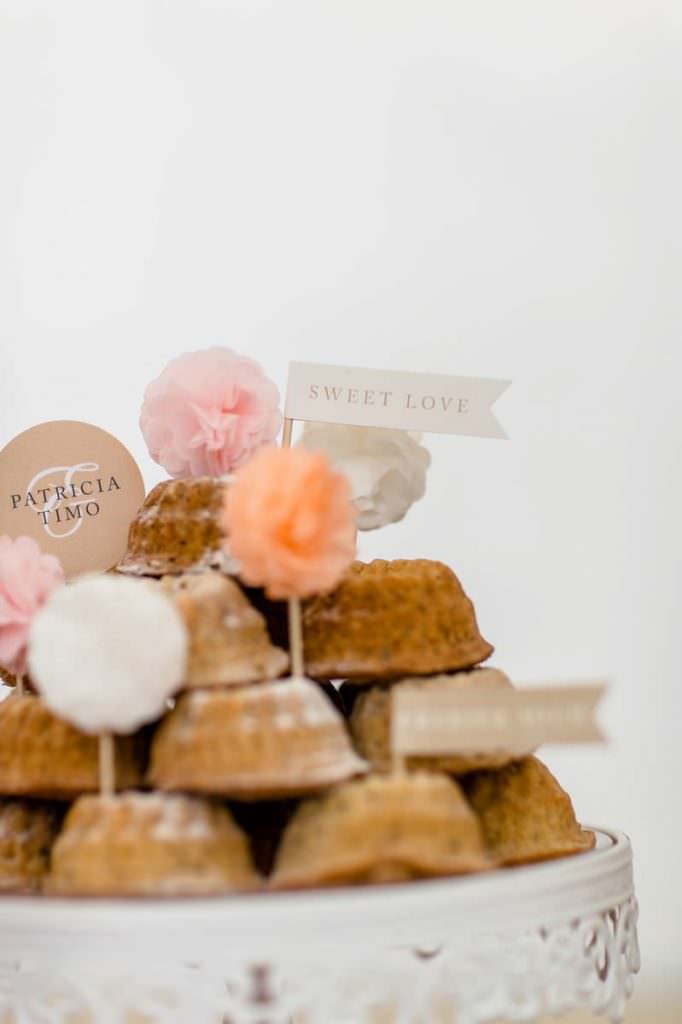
[[229, 643], [273, 740], [151, 844], [170, 817]]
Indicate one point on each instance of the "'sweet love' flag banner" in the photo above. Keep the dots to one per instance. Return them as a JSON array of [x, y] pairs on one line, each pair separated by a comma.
[[425, 402]]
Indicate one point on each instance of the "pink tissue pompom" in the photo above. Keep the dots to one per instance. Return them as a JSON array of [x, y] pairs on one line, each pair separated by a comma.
[[208, 412], [27, 578]]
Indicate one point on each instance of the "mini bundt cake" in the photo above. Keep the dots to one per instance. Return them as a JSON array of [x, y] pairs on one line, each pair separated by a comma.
[[525, 814], [150, 844], [274, 740], [178, 529], [43, 756], [392, 619], [228, 638], [381, 829], [27, 831], [370, 723], [6, 678]]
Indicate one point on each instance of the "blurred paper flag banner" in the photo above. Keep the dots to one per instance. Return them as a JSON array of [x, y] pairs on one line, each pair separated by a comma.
[[433, 403], [428, 722]]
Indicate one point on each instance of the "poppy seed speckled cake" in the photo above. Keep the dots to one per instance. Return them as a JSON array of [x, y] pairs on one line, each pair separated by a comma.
[[178, 529], [388, 619], [228, 638], [272, 740], [525, 814], [150, 844], [381, 829], [44, 756]]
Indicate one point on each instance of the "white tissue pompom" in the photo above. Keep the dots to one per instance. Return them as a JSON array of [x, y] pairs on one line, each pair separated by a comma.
[[106, 653], [386, 468]]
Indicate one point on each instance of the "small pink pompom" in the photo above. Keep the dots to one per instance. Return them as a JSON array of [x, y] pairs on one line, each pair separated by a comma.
[[27, 578], [208, 412], [290, 523]]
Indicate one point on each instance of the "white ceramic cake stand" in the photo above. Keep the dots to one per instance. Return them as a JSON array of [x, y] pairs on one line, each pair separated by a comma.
[[512, 945]]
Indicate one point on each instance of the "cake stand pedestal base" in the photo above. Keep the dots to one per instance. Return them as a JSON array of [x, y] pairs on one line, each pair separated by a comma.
[[510, 946]]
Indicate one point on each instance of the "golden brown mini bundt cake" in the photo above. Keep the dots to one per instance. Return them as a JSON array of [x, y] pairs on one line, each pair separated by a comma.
[[6, 678], [150, 844], [370, 723], [27, 831], [380, 829], [228, 638], [389, 619], [274, 740], [178, 529], [43, 756], [525, 814]]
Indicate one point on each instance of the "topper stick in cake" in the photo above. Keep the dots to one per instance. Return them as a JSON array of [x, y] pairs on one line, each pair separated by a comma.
[[27, 579], [208, 412], [107, 764], [106, 653], [290, 525], [287, 432], [295, 621]]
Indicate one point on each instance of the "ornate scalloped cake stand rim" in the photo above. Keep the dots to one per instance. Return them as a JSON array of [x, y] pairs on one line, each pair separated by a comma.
[[419, 915]]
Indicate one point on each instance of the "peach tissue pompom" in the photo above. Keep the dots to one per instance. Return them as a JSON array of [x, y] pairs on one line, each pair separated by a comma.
[[290, 523], [27, 578], [208, 412]]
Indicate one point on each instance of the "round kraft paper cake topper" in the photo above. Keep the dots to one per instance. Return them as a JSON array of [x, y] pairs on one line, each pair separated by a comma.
[[75, 489]]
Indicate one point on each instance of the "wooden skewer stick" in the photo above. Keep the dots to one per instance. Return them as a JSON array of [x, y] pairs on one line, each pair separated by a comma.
[[20, 689], [287, 432], [398, 758], [296, 637], [107, 765], [295, 620]]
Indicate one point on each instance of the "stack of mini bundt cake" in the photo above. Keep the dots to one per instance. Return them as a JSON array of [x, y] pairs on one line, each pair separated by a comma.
[[215, 714], [247, 767]]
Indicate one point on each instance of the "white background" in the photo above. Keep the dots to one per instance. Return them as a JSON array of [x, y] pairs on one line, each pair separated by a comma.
[[485, 188]]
